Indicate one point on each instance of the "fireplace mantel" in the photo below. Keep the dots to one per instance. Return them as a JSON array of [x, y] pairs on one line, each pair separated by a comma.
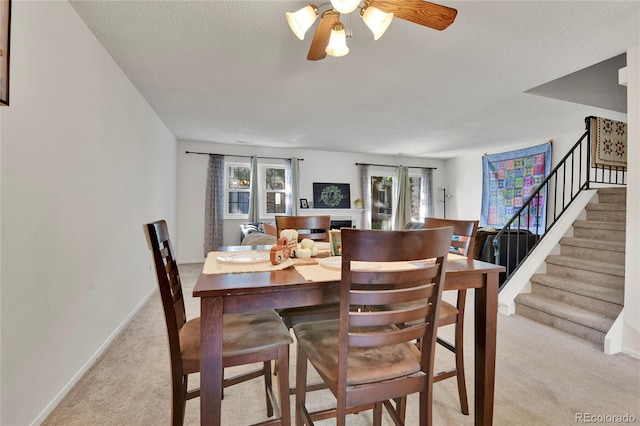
[[355, 215]]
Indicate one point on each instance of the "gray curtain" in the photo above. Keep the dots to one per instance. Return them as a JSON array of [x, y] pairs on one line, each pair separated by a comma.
[[292, 174], [402, 211], [254, 203], [365, 191], [214, 203], [426, 193]]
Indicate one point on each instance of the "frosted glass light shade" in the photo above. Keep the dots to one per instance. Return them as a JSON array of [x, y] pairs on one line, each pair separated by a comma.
[[345, 6], [337, 41], [301, 20], [377, 20]]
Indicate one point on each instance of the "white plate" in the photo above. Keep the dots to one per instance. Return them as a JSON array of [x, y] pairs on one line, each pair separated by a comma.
[[322, 245], [244, 258], [335, 262]]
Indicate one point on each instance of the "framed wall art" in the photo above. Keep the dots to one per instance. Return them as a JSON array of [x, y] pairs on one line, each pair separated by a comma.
[[331, 196], [5, 36]]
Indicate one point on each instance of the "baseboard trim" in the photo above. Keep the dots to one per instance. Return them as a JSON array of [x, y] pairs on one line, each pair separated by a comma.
[[507, 309], [90, 362], [613, 338]]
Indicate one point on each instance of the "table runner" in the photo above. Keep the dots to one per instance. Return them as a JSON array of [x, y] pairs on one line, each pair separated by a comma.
[[319, 273], [212, 266]]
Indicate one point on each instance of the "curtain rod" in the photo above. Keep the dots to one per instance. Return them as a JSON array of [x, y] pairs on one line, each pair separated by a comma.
[[389, 165], [242, 156]]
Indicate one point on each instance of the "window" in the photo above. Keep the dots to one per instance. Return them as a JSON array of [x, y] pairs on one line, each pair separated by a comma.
[[272, 190], [415, 198], [382, 200], [275, 190], [238, 189]]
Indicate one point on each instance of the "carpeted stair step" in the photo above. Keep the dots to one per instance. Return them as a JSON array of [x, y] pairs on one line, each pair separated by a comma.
[[607, 212], [612, 195], [582, 291], [598, 230], [605, 300], [601, 250], [588, 271], [577, 321]]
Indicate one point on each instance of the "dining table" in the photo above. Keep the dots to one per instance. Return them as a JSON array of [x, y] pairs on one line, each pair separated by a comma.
[[227, 288]]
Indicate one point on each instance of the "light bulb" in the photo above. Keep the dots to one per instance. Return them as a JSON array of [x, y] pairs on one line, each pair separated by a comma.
[[345, 6], [377, 20], [337, 41], [301, 20]]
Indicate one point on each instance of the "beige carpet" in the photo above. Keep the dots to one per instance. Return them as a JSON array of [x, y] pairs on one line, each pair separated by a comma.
[[543, 377]]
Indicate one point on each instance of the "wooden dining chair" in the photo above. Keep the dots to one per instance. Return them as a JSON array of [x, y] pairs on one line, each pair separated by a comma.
[[464, 235], [364, 358], [247, 338], [315, 228]]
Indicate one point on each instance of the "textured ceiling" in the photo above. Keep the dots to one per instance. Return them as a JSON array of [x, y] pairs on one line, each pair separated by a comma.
[[228, 71]]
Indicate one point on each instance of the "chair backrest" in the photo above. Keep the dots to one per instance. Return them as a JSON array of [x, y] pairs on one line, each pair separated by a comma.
[[464, 233], [169, 284], [313, 227], [391, 295]]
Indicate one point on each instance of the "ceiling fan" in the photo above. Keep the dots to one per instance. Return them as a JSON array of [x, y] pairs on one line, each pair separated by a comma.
[[329, 37]]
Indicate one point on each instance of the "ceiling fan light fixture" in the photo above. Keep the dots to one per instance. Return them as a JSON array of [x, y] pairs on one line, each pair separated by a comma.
[[345, 6], [377, 20], [301, 20], [337, 41]]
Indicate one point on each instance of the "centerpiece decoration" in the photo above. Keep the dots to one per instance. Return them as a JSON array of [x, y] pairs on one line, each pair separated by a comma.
[[288, 246]]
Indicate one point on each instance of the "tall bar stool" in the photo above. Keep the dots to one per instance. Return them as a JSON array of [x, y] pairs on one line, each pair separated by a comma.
[[258, 337], [464, 235], [315, 228], [364, 357]]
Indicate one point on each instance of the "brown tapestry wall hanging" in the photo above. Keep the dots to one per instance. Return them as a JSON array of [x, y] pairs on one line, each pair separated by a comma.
[[608, 143]]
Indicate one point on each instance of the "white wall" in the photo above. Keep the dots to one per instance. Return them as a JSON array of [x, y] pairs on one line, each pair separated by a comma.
[[85, 162], [464, 174], [631, 327], [318, 166], [464, 181]]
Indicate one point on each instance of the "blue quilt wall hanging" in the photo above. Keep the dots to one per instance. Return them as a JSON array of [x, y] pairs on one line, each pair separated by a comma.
[[508, 180]]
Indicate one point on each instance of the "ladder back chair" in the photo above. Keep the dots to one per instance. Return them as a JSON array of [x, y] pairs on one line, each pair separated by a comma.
[[464, 236], [248, 338], [364, 358], [315, 228]]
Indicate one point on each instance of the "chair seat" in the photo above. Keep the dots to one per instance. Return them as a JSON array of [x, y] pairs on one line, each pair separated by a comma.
[[243, 334], [246, 338], [448, 314], [311, 310], [319, 340], [293, 316]]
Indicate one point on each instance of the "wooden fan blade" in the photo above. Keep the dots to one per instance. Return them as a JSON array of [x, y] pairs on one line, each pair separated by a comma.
[[419, 12], [322, 34]]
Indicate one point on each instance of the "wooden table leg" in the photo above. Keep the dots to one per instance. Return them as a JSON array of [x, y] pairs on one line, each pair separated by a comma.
[[210, 360], [486, 321]]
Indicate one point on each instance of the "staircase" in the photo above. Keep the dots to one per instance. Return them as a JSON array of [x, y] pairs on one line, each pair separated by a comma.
[[582, 291]]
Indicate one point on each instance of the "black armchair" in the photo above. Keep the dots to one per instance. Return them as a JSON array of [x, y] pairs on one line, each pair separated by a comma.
[[514, 246]]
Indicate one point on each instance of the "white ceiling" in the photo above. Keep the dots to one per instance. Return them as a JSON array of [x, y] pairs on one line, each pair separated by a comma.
[[229, 71]]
